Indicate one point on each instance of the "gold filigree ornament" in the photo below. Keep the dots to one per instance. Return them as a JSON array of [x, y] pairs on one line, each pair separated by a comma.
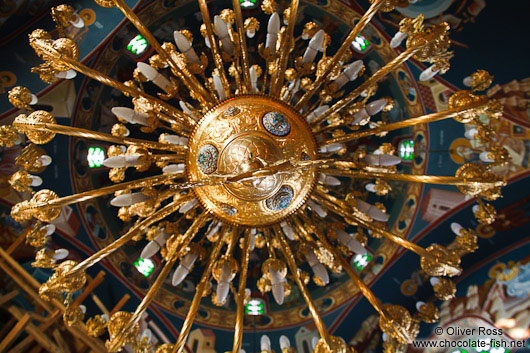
[[466, 242], [8, 135], [21, 181], [431, 42], [119, 333], [264, 284], [63, 15], [381, 187], [440, 262], [63, 280], [165, 348], [485, 213], [337, 345], [38, 235], [97, 325], [32, 159], [325, 257], [66, 48], [462, 101], [398, 324], [310, 29], [428, 313], [106, 3], [143, 345], [34, 126], [73, 314], [480, 80], [44, 258], [410, 25], [119, 130], [20, 97], [37, 207], [479, 180], [268, 6], [251, 27], [444, 289], [275, 265]]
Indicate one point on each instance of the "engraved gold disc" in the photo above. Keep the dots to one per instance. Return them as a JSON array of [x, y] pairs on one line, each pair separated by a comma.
[[247, 133]]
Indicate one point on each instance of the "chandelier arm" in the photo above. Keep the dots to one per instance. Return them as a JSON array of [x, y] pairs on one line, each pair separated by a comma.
[[265, 75], [240, 298], [234, 232], [392, 237], [217, 58], [184, 75], [175, 253], [169, 158], [424, 119], [365, 290], [174, 114], [378, 76], [289, 258], [425, 179], [268, 240], [171, 115], [301, 229], [243, 44], [117, 341], [364, 20], [286, 47], [89, 134], [290, 96], [178, 128], [133, 231], [199, 291], [92, 194], [236, 63], [341, 208], [320, 130]]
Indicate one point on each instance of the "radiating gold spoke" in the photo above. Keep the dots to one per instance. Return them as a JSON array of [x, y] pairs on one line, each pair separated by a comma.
[[240, 297], [173, 256], [424, 119], [89, 134], [414, 178], [236, 4], [364, 20], [92, 194], [289, 258], [359, 283], [217, 58], [133, 231], [341, 208], [286, 45], [173, 114], [375, 78], [303, 233], [189, 80], [199, 291]]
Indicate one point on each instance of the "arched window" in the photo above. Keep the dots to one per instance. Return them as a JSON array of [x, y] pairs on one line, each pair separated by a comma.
[[305, 347]]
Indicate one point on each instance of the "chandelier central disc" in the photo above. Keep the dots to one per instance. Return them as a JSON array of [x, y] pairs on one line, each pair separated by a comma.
[[249, 133]]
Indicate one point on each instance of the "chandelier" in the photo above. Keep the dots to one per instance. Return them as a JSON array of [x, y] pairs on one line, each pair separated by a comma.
[[252, 146]]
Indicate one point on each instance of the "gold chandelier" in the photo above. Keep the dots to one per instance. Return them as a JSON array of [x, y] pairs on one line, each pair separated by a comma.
[[254, 150]]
